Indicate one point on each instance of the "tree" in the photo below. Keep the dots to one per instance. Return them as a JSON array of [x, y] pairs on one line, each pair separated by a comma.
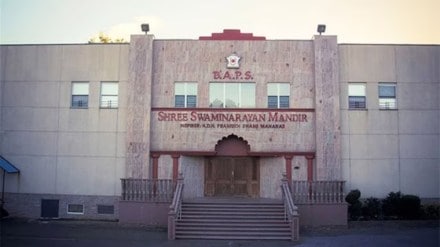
[[104, 38]]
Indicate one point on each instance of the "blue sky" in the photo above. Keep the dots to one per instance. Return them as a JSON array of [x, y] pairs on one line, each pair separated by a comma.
[[353, 21]]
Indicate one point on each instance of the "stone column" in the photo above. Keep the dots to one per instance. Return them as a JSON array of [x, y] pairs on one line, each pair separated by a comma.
[[327, 110], [175, 166], [289, 167], [310, 167], [155, 168], [139, 106]]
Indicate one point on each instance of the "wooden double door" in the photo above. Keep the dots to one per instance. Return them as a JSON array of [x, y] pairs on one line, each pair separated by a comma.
[[232, 176]]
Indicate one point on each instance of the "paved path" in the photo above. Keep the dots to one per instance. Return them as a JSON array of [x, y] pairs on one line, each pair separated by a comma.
[[16, 233]]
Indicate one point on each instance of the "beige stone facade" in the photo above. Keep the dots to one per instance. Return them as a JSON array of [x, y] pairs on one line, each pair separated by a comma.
[[75, 153]]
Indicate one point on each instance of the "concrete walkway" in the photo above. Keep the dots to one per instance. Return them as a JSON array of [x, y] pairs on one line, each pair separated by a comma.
[[18, 232]]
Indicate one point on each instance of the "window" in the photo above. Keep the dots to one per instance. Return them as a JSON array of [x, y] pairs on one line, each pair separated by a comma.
[[356, 96], [387, 96], [231, 95], [185, 94], [106, 209], [49, 208], [75, 209], [109, 95], [80, 94], [278, 95]]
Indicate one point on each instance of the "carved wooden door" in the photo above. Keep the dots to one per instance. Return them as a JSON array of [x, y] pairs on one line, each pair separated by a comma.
[[231, 176]]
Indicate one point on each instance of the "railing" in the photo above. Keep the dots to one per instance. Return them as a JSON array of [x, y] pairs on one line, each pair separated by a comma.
[[175, 208], [323, 192], [147, 190], [290, 210]]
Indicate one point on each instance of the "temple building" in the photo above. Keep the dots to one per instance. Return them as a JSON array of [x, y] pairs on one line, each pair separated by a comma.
[[122, 131]]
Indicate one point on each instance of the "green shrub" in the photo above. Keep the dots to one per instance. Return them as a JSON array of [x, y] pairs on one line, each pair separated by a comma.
[[355, 207], [409, 207], [353, 196], [372, 208], [390, 205], [431, 211]]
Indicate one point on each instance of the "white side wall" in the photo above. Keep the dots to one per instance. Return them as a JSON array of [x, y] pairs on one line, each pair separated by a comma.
[[60, 150], [392, 150]]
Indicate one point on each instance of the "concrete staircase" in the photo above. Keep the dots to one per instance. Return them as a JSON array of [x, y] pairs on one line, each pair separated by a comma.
[[233, 219]]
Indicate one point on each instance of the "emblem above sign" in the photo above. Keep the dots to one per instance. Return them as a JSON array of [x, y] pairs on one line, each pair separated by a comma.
[[233, 61]]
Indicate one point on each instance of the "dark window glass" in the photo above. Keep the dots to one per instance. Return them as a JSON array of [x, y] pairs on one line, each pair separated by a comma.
[[387, 91], [357, 102], [106, 209], [191, 101], [284, 101], [272, 101], [75, 208], [179, 101], [80, 101]]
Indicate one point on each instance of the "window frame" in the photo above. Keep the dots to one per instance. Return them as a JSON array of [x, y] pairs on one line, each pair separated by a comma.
[[278, 95], [393, 99], [109, 95], [240, 96], [75, 204], [362, 105], [186, 94], [73, 95]]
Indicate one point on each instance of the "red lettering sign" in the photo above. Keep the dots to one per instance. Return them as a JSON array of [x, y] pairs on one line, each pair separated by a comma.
[[232, 75]]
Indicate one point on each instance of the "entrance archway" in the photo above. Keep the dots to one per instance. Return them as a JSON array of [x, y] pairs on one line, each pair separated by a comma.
[[232, 172]]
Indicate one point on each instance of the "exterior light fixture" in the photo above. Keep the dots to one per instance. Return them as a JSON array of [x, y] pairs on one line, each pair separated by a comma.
[[145, 28], [321, 28]]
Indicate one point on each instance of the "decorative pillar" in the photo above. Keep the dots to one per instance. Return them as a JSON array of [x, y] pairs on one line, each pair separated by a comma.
[[327, 110], [175, 166], [155, 171], [140, 70], [289, 167], [310, 167]]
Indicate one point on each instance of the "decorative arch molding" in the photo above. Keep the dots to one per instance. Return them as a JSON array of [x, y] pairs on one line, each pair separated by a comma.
[[232, 145]]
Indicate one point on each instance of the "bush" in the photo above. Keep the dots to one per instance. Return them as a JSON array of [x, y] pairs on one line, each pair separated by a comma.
[[372, 208], [353, 196], [409, 207], [355, 207], [390, 205], [431, 211]]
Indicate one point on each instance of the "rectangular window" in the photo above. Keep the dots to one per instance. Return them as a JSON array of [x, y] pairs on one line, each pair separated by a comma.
[[232, 95], [80, 94], [356, 96], [185, 94], [106, 209], [75, 209], [387, 96], [278, 95], [109, 95]]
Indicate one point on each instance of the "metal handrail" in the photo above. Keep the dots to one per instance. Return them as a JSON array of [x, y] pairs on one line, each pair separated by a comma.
[[290, 207], [175, 208], [290, 210], [176, 204]]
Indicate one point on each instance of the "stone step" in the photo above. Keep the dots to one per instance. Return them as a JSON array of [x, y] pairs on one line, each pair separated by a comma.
[[233, 233], [236, 220], [231, 221], [215, 228], [244, 213], [231, 216], [232, 205], [231, 224], [233, 237]]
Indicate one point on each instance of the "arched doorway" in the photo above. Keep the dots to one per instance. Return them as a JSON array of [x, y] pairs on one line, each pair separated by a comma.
[[232, 172]]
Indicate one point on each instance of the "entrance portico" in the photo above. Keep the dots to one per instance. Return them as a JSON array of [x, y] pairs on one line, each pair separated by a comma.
[[232, 169]]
